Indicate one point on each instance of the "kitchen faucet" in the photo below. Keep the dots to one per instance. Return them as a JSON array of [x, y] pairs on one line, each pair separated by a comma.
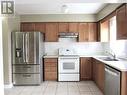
[[111, 53]]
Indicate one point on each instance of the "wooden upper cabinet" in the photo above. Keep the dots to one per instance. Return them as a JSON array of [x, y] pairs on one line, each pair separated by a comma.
[[27, 26], [39, 26], [51, 34], [126, 18], [92, 32], [98, 31], [83, 32], [121, 15], [104, 31], [85, 68], [73, 27], [87, 31], [63, 27]]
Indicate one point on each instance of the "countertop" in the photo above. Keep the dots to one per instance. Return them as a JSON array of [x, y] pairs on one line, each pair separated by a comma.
[[56, 56], [51, 56], [120, 65]]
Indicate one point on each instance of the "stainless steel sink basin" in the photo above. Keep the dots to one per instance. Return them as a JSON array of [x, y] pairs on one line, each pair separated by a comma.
[[108, 59], [111, 59]]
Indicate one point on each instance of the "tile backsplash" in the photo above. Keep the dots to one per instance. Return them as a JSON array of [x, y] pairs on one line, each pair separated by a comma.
[[82, 48], [89, 48]]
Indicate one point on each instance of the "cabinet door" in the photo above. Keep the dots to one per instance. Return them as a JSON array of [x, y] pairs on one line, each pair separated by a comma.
[[121, 23], [83, 32], [95, 71], [126, 22], [50, 69], [73, 27], [50, 76], [51, 34], [85, 68], [101, 76], [39, 26], [98, 74], [27, 26], [98, 31], [63, 27], [104, 31], [92, 32]]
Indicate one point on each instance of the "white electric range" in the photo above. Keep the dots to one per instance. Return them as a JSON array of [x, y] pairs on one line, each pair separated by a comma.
[[68, 65]]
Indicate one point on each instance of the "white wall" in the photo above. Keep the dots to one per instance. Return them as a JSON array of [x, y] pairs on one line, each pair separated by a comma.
[[10, 24], [1, 60], [58, 18]]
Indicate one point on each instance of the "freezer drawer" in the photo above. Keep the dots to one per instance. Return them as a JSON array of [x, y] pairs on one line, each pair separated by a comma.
[[26, 68], [26, 79]]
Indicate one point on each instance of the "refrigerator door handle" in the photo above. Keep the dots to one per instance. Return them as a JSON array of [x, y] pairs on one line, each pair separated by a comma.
[[24, 48]]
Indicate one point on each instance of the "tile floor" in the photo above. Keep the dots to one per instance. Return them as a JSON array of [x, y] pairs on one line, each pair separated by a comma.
[[56, 88]]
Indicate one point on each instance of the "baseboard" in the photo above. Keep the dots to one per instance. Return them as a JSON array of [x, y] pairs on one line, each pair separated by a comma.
[[8, 85]]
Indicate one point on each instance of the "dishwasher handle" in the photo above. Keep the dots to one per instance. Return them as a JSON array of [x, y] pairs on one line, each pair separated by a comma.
[[112, 71]]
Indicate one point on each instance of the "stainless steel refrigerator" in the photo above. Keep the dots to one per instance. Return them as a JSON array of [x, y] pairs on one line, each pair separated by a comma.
[[27, 53]]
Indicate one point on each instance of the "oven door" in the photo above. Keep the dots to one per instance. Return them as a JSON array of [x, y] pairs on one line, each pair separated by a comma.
[[68, 65]]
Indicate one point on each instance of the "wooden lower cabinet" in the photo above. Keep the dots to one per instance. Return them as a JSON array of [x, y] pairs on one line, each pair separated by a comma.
[[50, 69], [124, 83], [98, 74], [85, 68], [50, 76]]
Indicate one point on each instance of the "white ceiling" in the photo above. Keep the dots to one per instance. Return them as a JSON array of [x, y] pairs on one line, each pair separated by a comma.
[[55, 6]]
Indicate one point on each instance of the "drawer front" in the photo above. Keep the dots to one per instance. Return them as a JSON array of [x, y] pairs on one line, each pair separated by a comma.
[[50, 69], [26, 79], [47, 64], [50, 60], [26, 68], [51, 76]]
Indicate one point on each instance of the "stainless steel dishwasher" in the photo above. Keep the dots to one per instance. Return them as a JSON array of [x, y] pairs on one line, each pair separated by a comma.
[[112, 81]]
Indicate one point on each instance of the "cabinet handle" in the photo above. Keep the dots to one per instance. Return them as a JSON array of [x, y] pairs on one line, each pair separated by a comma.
[[26, 67], [26, 75]]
